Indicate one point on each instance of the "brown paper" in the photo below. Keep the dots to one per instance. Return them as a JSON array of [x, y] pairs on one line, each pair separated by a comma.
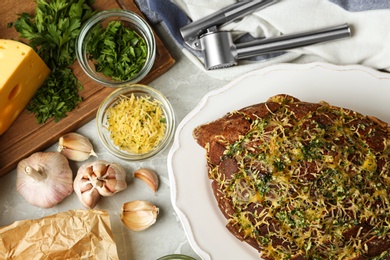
[[74, 234]]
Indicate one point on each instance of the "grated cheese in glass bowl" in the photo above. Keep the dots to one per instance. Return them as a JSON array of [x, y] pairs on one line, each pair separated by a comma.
[[135, 122]]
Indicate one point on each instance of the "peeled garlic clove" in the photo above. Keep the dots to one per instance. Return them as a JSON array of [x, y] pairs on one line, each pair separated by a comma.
[[149, 177], [75, 147], [139, 215]]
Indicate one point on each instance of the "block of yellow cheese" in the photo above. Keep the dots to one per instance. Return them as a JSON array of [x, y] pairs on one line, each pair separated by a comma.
[[22, 72]]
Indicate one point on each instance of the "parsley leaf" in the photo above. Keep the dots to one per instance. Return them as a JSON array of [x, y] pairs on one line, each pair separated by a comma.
[[53, 101], [52, 33], [117, 51]]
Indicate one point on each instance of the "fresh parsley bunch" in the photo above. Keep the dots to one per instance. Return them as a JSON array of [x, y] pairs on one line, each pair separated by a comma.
[[52, 33]]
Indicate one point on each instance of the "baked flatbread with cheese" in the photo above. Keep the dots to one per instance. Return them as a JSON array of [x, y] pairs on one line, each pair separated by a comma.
[[300, 180]]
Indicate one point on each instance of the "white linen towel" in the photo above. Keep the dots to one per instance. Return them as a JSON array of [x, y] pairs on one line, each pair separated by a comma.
[[369, 44]]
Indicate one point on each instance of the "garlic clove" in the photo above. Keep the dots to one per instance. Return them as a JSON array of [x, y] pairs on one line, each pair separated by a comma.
[[88, 173], [109, 187], [74, 155], [76, 141], [149, 177], [85, 191], [100, 169], [90, 198], [139, 215], [75, 147], [138, 221], [85, 186]]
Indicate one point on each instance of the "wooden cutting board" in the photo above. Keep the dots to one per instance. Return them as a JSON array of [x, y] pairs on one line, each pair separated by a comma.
[[25, 136]]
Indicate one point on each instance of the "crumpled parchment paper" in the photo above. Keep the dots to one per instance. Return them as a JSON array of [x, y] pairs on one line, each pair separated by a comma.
[[74, 234]]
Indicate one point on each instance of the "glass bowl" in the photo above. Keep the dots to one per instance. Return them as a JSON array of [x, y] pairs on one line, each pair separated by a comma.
[[176, 257], [88, 45], [138, 91]]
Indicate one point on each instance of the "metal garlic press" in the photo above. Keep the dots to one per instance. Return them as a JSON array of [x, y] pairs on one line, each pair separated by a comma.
[[220, 51]]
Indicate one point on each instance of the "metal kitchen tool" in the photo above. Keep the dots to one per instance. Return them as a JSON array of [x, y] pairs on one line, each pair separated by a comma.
[[192, 31], [219, 50]]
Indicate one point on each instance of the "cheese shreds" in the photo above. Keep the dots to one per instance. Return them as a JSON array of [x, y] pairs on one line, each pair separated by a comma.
[[136, 124]]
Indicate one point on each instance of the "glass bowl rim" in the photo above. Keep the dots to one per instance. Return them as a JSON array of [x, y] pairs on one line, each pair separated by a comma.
[[176, 256]]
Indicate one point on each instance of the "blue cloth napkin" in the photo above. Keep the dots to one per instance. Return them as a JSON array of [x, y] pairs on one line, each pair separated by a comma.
[[166, 12], [369, 20], [362, 5]]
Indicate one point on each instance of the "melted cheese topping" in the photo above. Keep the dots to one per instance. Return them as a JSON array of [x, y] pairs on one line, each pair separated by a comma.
[[316, 182], [136, 124]]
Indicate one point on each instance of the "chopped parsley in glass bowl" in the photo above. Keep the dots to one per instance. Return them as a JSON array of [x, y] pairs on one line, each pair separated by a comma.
[[116, 48]]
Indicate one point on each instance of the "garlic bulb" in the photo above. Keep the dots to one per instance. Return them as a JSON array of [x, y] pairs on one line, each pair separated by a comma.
[[139, 215], [96, 179], [44, 179], [75, 147], [149, 177]]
